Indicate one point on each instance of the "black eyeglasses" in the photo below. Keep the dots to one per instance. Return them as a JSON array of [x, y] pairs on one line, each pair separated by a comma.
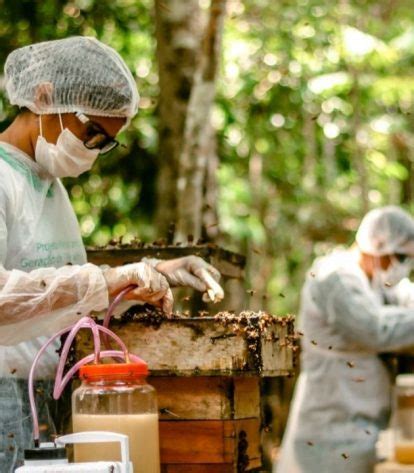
[[401, 258], [97, 137]]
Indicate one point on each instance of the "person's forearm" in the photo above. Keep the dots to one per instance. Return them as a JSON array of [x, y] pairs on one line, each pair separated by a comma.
[[24, 296]]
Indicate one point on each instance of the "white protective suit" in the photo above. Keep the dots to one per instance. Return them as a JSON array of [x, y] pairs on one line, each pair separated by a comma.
[[343, 394], [38, 229]]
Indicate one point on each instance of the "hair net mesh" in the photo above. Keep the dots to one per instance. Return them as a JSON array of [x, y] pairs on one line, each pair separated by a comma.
[[386, 231], [69, 75]]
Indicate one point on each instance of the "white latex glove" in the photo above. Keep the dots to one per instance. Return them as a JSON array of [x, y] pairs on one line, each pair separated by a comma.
[[190, 271], [152, 285]]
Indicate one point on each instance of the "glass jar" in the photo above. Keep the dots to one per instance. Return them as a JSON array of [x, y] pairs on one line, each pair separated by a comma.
[[117, 398], [403, 419]]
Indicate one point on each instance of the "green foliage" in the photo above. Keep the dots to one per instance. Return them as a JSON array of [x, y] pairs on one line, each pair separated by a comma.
[[313, 115], [311, 97]]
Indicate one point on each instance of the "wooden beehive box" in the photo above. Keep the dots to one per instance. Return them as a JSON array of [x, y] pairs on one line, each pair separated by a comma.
[[247, 344], [231, 266], [207, 374], [207, 370]]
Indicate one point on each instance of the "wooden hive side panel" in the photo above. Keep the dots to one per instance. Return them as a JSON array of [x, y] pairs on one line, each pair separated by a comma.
[[228, 263], [207, 398], [246, 435], [210, 442], [181, 349], [201, 347], [202, 468], [193, 442], [278, 350]]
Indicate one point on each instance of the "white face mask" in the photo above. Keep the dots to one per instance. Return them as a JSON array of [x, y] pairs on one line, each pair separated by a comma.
[[67, 158]]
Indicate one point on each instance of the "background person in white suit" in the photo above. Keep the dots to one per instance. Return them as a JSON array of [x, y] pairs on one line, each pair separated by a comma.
[[355, 304]]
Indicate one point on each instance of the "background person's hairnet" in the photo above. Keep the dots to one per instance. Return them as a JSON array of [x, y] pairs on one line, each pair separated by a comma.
[[386, 231], [69, 75]]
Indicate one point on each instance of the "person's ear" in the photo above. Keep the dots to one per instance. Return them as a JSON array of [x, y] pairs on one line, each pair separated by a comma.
[[44, 95]]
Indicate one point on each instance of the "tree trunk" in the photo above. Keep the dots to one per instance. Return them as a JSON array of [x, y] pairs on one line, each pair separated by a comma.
[[178, 26], [358, 157], [197, 135], [402, 145], [329, 160], [210, 214], [311, 152]]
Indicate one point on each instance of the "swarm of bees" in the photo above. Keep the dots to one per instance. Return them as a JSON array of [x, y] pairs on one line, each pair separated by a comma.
[[255, 325]]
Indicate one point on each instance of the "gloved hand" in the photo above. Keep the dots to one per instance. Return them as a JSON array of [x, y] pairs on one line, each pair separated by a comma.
[[153, 286], [191, 271]]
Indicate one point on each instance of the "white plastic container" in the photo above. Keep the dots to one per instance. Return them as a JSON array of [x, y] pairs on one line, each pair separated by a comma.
[[54, 466], [47, 454]]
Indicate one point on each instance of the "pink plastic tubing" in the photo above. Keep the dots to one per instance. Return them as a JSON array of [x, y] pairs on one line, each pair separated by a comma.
[[110, 310], [62, 380]]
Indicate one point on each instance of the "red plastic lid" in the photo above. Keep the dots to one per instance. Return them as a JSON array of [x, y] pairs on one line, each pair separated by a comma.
[[114, 370]]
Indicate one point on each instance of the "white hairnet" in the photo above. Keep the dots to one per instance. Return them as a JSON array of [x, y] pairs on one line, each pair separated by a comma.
[[70, 75], [386, 231]]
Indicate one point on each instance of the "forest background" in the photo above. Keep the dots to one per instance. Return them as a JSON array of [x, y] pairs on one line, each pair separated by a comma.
[[269, 127]]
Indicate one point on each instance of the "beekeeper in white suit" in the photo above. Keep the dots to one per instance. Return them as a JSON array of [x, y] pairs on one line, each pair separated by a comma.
[[75, 95], [355, 304]]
